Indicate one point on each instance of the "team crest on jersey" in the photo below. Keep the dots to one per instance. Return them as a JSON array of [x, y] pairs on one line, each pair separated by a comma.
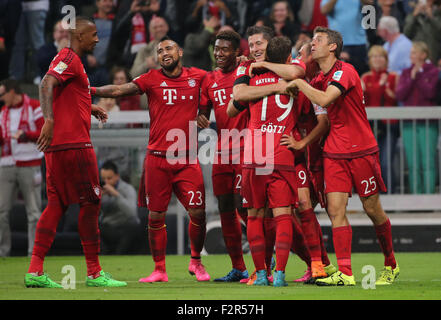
[[96, 189], [337, 75], [241, 70], [192, 83], [61, 66]]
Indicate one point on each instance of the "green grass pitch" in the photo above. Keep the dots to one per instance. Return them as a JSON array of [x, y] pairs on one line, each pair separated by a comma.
[[420, 278]]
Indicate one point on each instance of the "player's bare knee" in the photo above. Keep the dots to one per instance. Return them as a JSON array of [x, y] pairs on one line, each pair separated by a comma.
[[304, 204]]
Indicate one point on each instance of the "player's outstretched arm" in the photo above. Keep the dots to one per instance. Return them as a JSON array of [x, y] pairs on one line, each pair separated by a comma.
[[321, 98], [116, 91], [46, 93], [245, 93], [287, 72]]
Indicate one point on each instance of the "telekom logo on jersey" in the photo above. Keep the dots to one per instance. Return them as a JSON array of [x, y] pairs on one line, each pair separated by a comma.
[[171, 96], [259, 148]]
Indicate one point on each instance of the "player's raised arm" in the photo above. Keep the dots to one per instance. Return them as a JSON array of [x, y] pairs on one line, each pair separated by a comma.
[[46, 92], [116, 91], [318, 97]]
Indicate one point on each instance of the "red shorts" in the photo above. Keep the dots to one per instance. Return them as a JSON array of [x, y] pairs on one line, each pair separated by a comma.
[[227, 178], [160, 178], [302, 176], [363, 173], [274, 190], [72, 176]]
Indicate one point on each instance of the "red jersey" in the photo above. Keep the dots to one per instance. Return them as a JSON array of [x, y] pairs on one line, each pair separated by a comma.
[[216, 92], [350, 134], [270, 118], [173, 103], [72, 103]]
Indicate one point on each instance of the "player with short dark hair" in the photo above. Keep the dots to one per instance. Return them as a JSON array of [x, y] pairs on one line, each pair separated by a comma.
[[169, 166], [216, 92], [72, 171], [350, 155]]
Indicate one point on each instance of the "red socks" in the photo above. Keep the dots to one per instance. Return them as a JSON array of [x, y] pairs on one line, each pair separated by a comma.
[[342, 237], [256, 239], [284, 232], [232, 233], [158, 242], [197, 231], [44, 236], [90, 236], [384, 236], [269, 227], [298, 242], [309, 227]]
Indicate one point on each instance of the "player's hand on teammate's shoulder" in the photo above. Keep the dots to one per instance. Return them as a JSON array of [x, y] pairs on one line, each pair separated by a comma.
[[202, 121], [99, 113], [256, 67], [46, 135]]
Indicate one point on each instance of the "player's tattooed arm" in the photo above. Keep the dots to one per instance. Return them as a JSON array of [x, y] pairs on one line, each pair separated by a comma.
[[46, 92], [116, 91]]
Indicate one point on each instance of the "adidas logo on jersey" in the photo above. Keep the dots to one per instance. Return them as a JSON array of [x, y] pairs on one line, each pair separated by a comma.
[[163, 84], [214, 85]]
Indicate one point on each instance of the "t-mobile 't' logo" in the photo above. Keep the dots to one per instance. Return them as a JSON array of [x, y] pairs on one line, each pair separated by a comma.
[[219, 96], [170, 95]]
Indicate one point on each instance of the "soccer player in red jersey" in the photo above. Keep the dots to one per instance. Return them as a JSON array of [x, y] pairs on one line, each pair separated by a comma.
[[173, 94], [268, 167], [350, 155], [311, 126], [67, 107], [258, 38], [216, 92]]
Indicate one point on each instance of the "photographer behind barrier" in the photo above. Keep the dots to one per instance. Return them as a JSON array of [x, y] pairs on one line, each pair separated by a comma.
[[119, 219]]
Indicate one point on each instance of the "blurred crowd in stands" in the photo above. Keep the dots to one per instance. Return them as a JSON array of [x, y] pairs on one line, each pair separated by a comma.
[[31, 32]]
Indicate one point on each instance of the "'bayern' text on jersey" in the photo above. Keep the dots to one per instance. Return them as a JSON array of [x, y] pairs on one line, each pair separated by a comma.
[[72, 103], [270, 118], [216, 92], [350, 134], [173, 103]]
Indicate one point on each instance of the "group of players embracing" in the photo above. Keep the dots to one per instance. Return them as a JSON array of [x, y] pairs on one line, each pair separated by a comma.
[[305, 115]]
